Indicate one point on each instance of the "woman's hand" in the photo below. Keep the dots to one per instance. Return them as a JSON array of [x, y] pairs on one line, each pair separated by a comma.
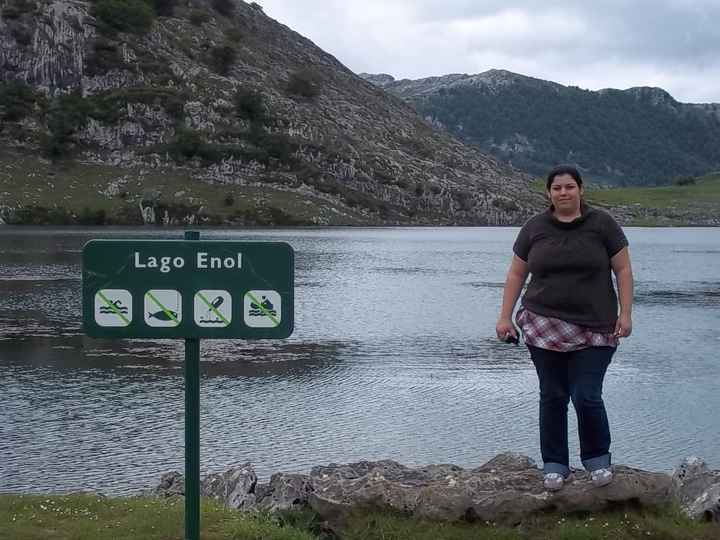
[[505, 328], [623, 326]]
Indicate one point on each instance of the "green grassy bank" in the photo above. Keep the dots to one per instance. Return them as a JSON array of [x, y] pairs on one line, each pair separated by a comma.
[[673, 205], [705, 191], [89, 517], [70, 192]]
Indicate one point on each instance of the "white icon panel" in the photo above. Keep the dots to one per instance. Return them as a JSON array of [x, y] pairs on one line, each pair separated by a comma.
[[163, 308], [213, 308], [262, 309], [113, 307]]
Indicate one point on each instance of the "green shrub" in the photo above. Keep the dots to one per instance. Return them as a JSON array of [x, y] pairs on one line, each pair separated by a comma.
[[92, 217], [234, 34], [189, 143], [224, 7], [67, 114], [186, 144], [222, 58], [110, 107], [104, 57], [283, 180], [165, 8], [229, 199], [171, 100], [268, 216], [158, 70], [277, 146], [106, 109], [308, 173], [384, 178], [17, 100], [685, 181], [505, 205], [304, 83], [22, 35], [250, 105], [418, 146], [10, 13], [124, 15], [280, 217], [41, 215], [16, 8], [198, 17], [175, 106], [266, 147], [464, 199]]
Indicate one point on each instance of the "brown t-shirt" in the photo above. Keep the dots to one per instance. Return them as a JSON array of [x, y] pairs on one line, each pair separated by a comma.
[[570, 267]]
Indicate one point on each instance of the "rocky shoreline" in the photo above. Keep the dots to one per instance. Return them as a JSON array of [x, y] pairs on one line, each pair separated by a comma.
[[504, 490], [42, 216]]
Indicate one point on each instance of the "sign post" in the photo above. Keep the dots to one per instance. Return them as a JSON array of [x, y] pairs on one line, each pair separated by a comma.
[[188, 289], [192, 430]]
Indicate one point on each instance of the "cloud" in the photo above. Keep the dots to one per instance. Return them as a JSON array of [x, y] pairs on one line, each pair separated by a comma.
[[674, 44]]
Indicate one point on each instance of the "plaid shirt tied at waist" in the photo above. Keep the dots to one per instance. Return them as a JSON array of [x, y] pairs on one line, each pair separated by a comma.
[[558, 335]]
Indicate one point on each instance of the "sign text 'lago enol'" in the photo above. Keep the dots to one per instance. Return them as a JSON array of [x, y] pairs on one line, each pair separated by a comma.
[[203, 261], [188, 289]]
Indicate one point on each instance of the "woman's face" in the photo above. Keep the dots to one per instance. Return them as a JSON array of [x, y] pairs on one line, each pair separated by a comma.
[[565, 193]]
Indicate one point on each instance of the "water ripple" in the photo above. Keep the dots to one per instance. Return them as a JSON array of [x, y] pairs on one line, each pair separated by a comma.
[[394, 356]]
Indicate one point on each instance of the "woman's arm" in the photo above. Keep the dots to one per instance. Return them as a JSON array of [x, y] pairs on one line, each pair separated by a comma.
[[622, 268], [516, 276]]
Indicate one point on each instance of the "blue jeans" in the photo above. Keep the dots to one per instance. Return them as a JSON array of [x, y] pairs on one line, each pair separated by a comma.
[[576, 376]]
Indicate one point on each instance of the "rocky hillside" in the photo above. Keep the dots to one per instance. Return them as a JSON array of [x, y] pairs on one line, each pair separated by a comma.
[[639, 136], [120, 108]]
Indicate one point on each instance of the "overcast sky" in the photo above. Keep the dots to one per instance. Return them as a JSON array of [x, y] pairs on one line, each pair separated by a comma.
[[673, 44]]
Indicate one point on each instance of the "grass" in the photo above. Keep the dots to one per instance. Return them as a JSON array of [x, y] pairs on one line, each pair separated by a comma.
[[618, 525], [706, 191], [658, 206], [91, 517], [27, 180]]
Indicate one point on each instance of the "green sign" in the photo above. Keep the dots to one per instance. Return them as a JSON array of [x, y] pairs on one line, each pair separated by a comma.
[[187, 289]]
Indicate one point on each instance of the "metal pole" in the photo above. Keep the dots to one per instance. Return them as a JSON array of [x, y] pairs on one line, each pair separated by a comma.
[[192, 430]]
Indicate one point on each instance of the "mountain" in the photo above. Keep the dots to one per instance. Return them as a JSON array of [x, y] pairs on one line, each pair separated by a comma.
[[638, 136], [123, 111]]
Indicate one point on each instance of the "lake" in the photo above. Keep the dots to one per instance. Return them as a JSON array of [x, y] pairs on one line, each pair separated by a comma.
[[393, 356]]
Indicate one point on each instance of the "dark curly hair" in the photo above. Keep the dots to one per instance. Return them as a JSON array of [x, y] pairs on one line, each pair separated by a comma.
[[560, 170]]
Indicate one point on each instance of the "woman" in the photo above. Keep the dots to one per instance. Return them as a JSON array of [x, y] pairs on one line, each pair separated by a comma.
[[569, 319]]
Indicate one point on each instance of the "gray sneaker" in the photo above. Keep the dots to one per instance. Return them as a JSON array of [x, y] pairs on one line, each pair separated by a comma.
[[553, 481], [601, 477]]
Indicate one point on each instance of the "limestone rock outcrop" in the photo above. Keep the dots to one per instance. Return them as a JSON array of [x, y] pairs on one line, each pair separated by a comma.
[[157, 98], [697, 489], [504, 490]]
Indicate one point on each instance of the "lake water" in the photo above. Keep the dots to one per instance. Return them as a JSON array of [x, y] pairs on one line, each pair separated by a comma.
[[393, 356]]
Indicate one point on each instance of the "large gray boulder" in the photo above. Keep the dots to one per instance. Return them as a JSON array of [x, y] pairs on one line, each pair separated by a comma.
[[235, 487], [505, 490], [697, 489], [284, 492], [171, 484]]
